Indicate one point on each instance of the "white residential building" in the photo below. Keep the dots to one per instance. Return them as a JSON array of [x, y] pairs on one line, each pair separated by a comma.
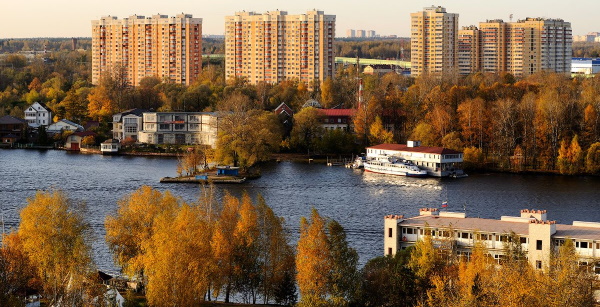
[[64, 125], [38, 114], [437, 161], [195, 128], [538, 235], [127, 124]]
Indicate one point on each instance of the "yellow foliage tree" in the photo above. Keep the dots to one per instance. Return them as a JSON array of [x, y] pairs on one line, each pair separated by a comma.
[[378, 134], [313, 261], [177, 258], [223, 247], [100, 106], [132, 225], [53, 236]]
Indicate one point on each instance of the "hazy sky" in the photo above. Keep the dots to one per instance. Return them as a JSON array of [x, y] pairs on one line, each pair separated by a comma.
[[69, 18]]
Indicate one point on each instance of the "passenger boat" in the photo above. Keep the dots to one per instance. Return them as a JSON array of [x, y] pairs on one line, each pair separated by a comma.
[[394, 166]]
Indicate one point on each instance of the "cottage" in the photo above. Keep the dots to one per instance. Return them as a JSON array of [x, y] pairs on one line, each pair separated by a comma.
[[75, 141], [12, 129], [338, 119], [64, 125], [38, 114], [110, 146]]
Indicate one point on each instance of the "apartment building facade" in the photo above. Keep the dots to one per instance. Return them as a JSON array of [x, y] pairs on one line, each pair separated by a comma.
[[169, 48], [434, 42], [275, 46], [521, 48], [538, 236], [194, 128], [468, 50]]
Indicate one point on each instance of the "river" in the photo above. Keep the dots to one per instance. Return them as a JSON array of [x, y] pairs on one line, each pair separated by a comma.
[[356, 199]]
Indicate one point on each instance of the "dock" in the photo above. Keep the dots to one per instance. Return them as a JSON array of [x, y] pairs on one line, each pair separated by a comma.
[[210, 179]]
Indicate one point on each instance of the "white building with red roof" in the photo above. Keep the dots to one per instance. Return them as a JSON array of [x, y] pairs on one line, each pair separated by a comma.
[[537, 235], [437, 161], [338, 119]]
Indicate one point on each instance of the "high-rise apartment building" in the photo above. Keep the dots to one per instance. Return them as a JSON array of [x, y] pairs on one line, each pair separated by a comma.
[[275, 46], [434, 41], [350, 33], [521, 48], [468, 50], [169, 48], [361, 33]]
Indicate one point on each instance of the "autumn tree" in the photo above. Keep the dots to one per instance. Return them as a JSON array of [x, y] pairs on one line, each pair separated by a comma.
[[424, 261], [570, 157], [246, 135], [54, 236], [313, 261], [101, 106], [307, 129], [343, 281], [224, 247], [565, 282], [387, 281], [276, 257], [132, 225], [378, 134], [592, 159], [177, 255], [17, 274]]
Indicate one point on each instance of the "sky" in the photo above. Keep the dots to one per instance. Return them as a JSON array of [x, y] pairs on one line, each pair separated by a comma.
[[71, 18]]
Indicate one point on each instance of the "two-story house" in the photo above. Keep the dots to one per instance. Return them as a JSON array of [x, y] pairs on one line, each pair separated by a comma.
[[38, 114], [195, 128], [12, 129]]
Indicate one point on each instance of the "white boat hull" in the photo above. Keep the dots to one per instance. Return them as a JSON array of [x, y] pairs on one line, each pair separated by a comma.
[[393, 169]]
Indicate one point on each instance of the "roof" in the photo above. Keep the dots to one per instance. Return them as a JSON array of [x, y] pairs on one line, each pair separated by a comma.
[[338, 112], [111, 141], [423, 149], [578, 232], [312, 103], [85, 133], [9, 120], [468, 223], [11, 136], [43, 105], [137, 112]]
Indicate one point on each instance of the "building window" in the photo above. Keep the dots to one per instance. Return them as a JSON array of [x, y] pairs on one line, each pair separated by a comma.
[[389, 251], [538, 245], [390, 232], [538, 264]]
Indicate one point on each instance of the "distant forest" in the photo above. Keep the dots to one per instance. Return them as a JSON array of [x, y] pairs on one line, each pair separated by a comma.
[[387, 48]]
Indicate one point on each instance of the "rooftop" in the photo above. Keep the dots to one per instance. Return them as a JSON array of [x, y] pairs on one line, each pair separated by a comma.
[[422, 149], [519, 225]]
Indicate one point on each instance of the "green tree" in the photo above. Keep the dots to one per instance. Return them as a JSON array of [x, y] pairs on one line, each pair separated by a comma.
[[387, 281], [307, 129], [344, 274], [592, 159]]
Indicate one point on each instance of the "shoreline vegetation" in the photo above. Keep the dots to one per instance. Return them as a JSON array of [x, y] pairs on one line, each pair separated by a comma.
[[191, 253]]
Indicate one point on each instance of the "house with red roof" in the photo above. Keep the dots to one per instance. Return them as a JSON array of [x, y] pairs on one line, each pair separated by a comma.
[[437, 161], [338, 119]]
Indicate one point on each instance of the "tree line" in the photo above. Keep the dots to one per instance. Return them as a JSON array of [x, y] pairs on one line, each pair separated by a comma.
[[499, 121], [184, 254]]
